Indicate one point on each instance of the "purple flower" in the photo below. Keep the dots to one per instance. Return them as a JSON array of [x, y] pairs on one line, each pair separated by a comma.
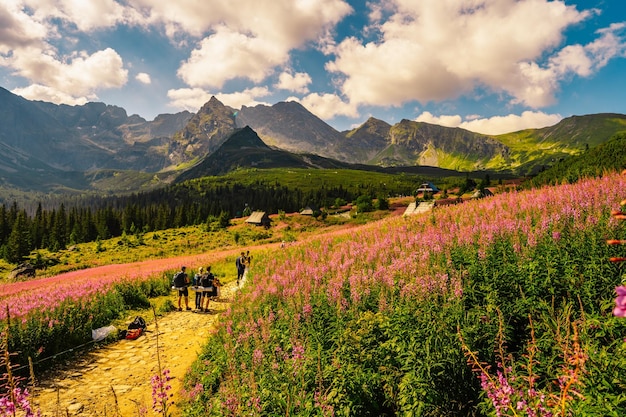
[[620, 302]]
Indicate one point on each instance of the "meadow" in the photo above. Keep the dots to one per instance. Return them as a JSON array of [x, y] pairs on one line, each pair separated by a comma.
[[495, 307], [500, 306], [92, 285]]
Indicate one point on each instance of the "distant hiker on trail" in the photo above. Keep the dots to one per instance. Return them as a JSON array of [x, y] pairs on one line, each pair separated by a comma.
[[248, 260], [240, 263], [181, 281], [208, 285], [198, 288]]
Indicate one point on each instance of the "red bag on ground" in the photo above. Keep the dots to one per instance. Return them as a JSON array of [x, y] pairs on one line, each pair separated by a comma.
[[133, 334]]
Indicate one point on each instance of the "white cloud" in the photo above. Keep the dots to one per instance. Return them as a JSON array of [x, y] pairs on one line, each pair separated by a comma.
[[244, 98], [326, 106], [26, 31], [285, 21], [444, 120], [73, 81], [193, 98], [80, 74], [227, 55], [18, 29], [188, 98], [51, 95], [86, 15], [143, 78], [494, 125], [298, 82], [246, 40], [433, 50]]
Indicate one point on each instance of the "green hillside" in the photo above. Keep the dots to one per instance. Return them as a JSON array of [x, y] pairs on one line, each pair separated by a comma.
[[609, 156], [532, 150]]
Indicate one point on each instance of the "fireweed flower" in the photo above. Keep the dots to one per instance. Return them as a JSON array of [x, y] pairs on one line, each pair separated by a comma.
[[160, 388], [620, 302]]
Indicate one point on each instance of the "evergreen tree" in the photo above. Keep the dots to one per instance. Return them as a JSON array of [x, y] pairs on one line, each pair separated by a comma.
[[19, 242]]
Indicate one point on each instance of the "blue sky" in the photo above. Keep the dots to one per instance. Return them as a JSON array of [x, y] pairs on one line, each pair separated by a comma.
[[490, 66]]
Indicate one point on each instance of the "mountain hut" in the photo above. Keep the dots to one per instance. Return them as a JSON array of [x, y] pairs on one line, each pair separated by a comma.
[[259, 218]]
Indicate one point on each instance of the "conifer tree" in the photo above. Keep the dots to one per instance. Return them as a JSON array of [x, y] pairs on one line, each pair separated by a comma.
[[19, 242]]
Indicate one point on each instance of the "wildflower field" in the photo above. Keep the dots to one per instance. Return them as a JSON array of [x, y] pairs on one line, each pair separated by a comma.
[[47, 316], [501, 306]]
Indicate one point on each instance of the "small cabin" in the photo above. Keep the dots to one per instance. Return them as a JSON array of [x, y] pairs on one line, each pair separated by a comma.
[[309, 211], [259, 218]]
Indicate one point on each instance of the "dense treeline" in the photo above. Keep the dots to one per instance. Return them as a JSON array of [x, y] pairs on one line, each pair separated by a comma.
[[186, 204]]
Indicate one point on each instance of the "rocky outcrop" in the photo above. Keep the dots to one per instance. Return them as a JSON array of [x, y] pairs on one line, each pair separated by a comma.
[[22, 272]]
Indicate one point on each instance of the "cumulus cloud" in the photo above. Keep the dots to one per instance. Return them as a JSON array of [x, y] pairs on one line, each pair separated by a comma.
[[18, 29], [73, 81], [193, 98], [188, 98], [298, 82], [246, 41], [85, 15], [80, 74], [246, 97], [439, 49], [227, 55], [51, 95], [494, 125], [143, 78], [27, 30], [443, 120], [327, 106]]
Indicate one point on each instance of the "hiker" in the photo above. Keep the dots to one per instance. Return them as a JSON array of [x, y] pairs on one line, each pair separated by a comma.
[[248, 260], [208, 288], [240, 263], [181, 282], [216, 285], [198, 288]]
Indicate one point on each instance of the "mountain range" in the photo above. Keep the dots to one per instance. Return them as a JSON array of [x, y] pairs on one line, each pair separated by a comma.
[[47, 148]]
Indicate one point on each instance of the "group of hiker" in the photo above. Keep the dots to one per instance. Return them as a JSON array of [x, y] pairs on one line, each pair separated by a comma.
[[205, 284]]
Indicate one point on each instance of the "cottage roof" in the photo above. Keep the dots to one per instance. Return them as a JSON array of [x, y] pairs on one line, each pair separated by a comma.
[[257, 217]]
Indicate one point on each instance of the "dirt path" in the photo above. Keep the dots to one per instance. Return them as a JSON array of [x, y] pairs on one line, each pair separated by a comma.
[[115, 380]]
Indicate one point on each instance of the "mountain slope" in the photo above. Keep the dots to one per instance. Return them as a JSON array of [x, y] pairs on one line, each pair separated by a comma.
[[83, 138], [608, 156], [245, 149], [204, 133], [53, 147], [534, 149], [290, 126]]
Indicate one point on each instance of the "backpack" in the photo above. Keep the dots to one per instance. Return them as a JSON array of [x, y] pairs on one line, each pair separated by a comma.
[[206, 280], [137, 323], [179, 280], [135, 328], [133, 334]]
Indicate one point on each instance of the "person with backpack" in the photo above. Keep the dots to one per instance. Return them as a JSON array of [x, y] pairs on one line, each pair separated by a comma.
[[240, 264], [198, 288], [207, 282], [181, 282]]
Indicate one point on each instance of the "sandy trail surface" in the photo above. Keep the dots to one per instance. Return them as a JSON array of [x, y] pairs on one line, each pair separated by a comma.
[[115, 380]]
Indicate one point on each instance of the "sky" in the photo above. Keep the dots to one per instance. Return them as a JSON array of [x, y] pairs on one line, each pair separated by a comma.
[[489, 66]]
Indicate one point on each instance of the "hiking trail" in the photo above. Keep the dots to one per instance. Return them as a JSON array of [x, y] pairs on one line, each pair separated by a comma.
[[115, 379]]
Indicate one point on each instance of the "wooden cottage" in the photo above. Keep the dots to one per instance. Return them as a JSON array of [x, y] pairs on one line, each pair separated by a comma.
[[259, 218]]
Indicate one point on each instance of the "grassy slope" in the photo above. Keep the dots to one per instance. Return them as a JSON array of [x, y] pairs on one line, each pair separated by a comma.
[[536, 147], [188, 241]]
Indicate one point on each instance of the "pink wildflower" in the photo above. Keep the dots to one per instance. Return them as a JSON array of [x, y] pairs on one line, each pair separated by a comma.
[[620, 302]]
